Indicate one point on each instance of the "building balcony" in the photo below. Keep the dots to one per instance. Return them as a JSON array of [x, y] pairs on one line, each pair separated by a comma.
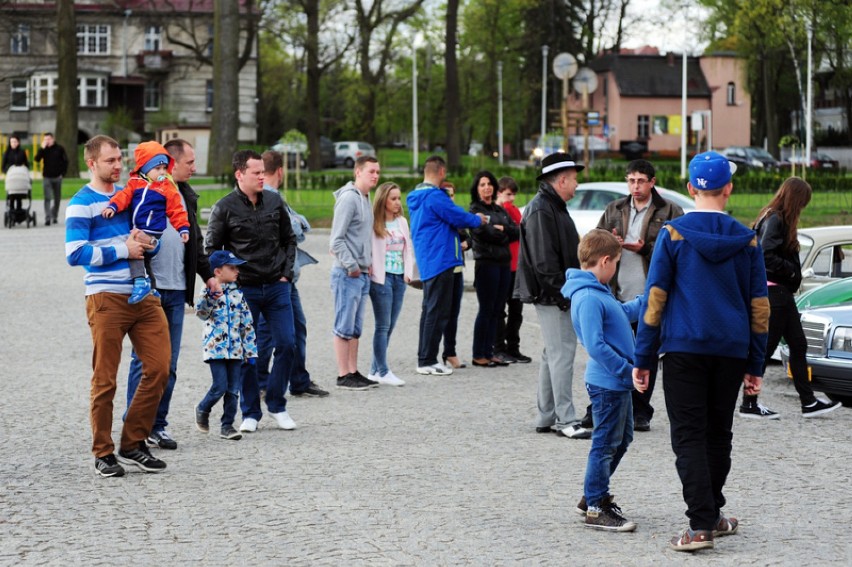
[[154, 61]]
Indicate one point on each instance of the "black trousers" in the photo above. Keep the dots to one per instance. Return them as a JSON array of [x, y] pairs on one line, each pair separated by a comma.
[[508, 338], [642, 408], [434, 316], [701, 394], [784, 322]]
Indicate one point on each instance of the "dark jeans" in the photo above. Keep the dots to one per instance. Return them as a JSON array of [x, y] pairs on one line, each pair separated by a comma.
[[508, 338], [172, 302], [452, 327], [784, 322], [52, 193], [492, 286], [434, 316], [701, 394], [300, 378], [273, 301], [226, 384]]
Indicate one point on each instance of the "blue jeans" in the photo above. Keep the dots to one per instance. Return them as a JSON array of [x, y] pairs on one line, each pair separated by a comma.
[[172, 301], [300, 378], [273, 301], [350, 299], [492, 289], [612, 412], [453, 322], [226, 383], [387, 303]]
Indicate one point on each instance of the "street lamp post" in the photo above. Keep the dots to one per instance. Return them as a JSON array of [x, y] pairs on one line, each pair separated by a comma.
[[414, 133], [544, 50], [500, 111]]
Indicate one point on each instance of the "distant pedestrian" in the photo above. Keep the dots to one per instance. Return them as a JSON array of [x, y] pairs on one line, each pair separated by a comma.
[[351, 246], [602, 325], [776, 230], [435, 222], [15, 162], [393, 268], [507, 344], [228, 343], [493, 267], [55, 167], [708, 314], [549, 242]]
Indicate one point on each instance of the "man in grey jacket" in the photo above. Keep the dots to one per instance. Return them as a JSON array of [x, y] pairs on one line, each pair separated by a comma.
[[351, 246]]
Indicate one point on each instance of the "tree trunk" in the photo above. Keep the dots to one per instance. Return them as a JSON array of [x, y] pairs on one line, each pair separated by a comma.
[[770, 108], [312, 120], [224, 122], [451, 74], [67, 97]]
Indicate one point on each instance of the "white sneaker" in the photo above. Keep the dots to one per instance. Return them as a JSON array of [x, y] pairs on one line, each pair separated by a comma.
[[390, 379], [284, 420], [435, 370], [249, 425]]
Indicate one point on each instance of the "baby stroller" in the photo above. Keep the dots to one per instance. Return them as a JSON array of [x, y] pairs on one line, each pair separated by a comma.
[[18, 186]]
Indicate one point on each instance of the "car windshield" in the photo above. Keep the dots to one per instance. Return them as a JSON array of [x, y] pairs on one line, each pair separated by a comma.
[[760, 154]]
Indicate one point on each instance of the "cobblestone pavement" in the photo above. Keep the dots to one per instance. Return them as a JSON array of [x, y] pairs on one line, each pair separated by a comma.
[[443, 471]]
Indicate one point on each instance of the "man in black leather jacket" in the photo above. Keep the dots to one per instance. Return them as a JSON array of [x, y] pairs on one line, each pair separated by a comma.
[[254, 225], [549, 242]]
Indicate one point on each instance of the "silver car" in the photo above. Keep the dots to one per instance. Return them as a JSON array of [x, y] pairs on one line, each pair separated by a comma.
[[826, 255]]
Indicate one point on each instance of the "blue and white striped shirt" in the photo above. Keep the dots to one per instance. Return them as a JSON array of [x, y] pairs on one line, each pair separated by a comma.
[[98, 244]]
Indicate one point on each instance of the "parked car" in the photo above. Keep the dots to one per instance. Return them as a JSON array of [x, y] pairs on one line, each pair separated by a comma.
[[291, 151], [590, 201], [818, 160], [328, 157], [346, 153], [751, 157], [828, 331], [826, 255], [839, 291]]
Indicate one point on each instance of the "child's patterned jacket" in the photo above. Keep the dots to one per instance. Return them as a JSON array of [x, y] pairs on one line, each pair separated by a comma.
[[228, 326]]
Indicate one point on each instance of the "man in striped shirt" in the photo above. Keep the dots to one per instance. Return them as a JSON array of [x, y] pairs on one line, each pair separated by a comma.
[[103, 247]]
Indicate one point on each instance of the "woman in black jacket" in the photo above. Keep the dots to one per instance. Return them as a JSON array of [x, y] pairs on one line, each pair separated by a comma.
[[15, 155], [776, 231], [492, 271]]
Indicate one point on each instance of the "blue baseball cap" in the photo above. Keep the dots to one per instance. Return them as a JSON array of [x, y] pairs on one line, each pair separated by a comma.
[[159, 159], [220, 258], [710, 170]]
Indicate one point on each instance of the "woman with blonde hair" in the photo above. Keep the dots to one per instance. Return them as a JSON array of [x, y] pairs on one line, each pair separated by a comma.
[[777, 234], [392, 269]]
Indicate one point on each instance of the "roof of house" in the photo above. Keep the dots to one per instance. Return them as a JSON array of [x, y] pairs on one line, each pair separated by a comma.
[[657, 76]]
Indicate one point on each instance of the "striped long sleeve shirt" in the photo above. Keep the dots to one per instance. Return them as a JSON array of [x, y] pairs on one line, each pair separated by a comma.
[[96, 243]]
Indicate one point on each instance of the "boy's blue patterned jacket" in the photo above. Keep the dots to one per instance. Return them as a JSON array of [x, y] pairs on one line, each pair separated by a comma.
[[228, 326]]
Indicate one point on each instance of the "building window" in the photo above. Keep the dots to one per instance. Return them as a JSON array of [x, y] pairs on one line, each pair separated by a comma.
[[93, 91], [21, 40], [209, 96], [93, 39], [153, 38], [19, 95], [732, 94], [43, 90], [152, 95], [643, 131]]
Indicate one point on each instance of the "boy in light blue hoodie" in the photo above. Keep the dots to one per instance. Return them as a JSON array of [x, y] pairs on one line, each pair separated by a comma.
[[602, 324]]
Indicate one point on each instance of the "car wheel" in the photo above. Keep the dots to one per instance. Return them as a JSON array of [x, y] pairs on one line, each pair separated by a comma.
[[349, 162], [845, 400]]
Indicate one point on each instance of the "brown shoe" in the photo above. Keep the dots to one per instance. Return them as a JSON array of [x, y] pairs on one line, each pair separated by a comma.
[[725, 526], [454, 362], [692, 540]]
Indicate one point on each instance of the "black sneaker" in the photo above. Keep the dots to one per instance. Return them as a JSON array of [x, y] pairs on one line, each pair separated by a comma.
[[161, 439], [608, 517], [351, 382], [228, 432], [107, 466], [365, 380], [757, 411], [522, 358], [587, 421], [641, 424], [313, 391], [202, 420], [819, 407], [504, 357], [142, 458]]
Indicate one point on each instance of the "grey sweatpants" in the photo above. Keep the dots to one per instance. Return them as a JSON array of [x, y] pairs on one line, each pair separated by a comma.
[[556, 372]]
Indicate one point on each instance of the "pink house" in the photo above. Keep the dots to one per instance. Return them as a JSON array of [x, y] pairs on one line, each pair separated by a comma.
[[638, 98]]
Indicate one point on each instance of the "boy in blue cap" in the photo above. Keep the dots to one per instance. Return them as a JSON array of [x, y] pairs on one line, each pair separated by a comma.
[[707, 314]]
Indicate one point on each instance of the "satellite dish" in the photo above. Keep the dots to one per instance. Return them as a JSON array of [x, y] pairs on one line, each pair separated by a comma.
[[585, 80], [564, 66]]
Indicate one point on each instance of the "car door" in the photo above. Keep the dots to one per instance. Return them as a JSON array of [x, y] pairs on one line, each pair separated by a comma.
[[831, 261]]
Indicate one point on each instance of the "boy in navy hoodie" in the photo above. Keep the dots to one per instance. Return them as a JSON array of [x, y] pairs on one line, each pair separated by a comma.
[[602, 324], [708, 316]]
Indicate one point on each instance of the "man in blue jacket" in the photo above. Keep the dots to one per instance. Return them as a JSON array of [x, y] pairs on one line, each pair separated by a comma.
[[435, 222]]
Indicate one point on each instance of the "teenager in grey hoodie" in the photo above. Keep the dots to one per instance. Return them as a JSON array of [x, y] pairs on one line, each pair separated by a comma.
[[351, 246]]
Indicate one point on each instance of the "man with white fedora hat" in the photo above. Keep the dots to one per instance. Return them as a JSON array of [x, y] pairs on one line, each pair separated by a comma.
[[548, 248]]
